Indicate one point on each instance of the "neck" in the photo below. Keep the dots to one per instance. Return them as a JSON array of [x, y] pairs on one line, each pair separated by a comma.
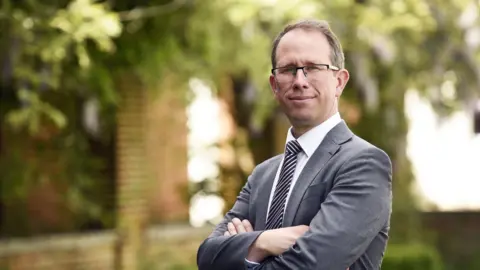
[[299, 129]]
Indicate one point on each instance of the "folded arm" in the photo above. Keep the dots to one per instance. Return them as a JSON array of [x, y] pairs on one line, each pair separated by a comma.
[[356, 209], [221, 251]]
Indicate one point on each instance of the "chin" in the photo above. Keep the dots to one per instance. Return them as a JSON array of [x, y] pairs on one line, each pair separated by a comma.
[[301, 120]]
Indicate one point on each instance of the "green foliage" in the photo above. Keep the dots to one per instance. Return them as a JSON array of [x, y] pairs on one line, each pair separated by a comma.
[[411, 257], [53, 47], [64, 163], [192, 42], [32, 114], [49, 49], [470, 261]]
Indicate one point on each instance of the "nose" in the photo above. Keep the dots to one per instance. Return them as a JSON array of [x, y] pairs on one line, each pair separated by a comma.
[[300, 80]]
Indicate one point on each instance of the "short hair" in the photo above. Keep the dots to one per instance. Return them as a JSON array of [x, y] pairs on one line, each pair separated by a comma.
[[336, 52]]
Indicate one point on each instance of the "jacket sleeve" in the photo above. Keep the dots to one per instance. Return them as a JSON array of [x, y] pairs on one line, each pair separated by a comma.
[[228, 252], [354, 212]]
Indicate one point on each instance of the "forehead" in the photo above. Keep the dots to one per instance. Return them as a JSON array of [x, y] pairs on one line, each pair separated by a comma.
[[301, 46]]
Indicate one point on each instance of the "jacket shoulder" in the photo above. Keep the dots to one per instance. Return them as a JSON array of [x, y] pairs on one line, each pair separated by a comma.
[[269, 162], [357, 145]]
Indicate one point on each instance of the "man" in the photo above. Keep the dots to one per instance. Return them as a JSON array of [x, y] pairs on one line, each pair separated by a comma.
[[326, 202]]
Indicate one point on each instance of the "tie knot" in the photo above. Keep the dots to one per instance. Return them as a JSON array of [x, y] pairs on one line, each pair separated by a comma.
[[293, 147]]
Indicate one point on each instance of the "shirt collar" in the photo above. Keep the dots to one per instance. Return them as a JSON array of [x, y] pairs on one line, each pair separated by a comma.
[[312, 138]]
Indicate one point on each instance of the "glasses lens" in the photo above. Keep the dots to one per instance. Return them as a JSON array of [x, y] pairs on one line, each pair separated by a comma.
[[285, 75]]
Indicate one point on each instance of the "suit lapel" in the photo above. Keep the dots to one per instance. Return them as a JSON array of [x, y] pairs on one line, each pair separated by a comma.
[[328, 148], [264, 193]]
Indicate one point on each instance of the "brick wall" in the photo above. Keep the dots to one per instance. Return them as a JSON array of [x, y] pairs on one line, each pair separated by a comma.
[[167, 151], [97, 251], [86, 251], [151, 162], [132, 170]]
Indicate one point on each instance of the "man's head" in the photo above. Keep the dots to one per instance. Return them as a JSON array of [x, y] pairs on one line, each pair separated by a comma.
[[308, 96]]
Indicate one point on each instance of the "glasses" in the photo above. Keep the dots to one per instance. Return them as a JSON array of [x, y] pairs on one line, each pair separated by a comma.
[[285, 75]]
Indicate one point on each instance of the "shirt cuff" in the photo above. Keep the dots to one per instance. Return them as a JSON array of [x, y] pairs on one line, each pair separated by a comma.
[[252, 263]]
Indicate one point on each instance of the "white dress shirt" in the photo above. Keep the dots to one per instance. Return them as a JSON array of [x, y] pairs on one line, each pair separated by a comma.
[[309, 142]]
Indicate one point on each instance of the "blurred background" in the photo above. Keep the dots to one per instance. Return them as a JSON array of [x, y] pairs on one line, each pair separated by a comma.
[[128, 127]]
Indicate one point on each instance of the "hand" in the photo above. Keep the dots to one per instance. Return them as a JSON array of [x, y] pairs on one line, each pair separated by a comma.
[[275, 242], [237, 226]]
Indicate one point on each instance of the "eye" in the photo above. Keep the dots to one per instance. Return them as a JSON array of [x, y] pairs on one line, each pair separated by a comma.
[[311, 69], [286, 70]]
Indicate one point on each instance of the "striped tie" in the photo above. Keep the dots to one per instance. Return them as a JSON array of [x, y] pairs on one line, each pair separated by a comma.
[[277, 207]]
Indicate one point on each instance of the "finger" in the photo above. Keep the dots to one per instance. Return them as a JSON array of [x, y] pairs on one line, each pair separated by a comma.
[[302, 228], [226, 233], [246, 224], [231, 228], [238, 225]]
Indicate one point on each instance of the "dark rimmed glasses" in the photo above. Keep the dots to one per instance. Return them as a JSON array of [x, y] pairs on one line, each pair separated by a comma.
[[287, 74]]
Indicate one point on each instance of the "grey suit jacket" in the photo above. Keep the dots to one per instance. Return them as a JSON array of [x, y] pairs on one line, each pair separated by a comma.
[[344, 194]]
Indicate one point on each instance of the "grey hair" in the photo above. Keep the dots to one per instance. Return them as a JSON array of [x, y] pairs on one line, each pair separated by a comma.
[[336, 54]]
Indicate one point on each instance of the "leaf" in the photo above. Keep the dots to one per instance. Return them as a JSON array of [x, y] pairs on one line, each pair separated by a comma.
[[31, 114], [18, 118], [55, 115], [83, 58]]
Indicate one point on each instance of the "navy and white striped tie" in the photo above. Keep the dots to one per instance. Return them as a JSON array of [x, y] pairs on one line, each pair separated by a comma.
[[277, 206]]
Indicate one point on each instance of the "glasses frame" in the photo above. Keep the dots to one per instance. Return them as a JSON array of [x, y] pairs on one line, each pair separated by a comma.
[[329, 67]]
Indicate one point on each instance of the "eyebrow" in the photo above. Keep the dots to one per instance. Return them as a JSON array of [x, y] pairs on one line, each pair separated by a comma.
[[314, 63], [306, 63], [288, 64]]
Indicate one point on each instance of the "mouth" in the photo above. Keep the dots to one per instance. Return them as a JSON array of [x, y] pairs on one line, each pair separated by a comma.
[[301, 98]]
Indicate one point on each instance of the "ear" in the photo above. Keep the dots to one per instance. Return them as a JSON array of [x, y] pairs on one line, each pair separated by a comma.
[[273, 85], [342, 79]]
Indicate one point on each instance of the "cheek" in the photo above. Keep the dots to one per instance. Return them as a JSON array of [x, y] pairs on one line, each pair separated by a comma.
[[325, 83], [325, 90], [319, 85], [281, 99]]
